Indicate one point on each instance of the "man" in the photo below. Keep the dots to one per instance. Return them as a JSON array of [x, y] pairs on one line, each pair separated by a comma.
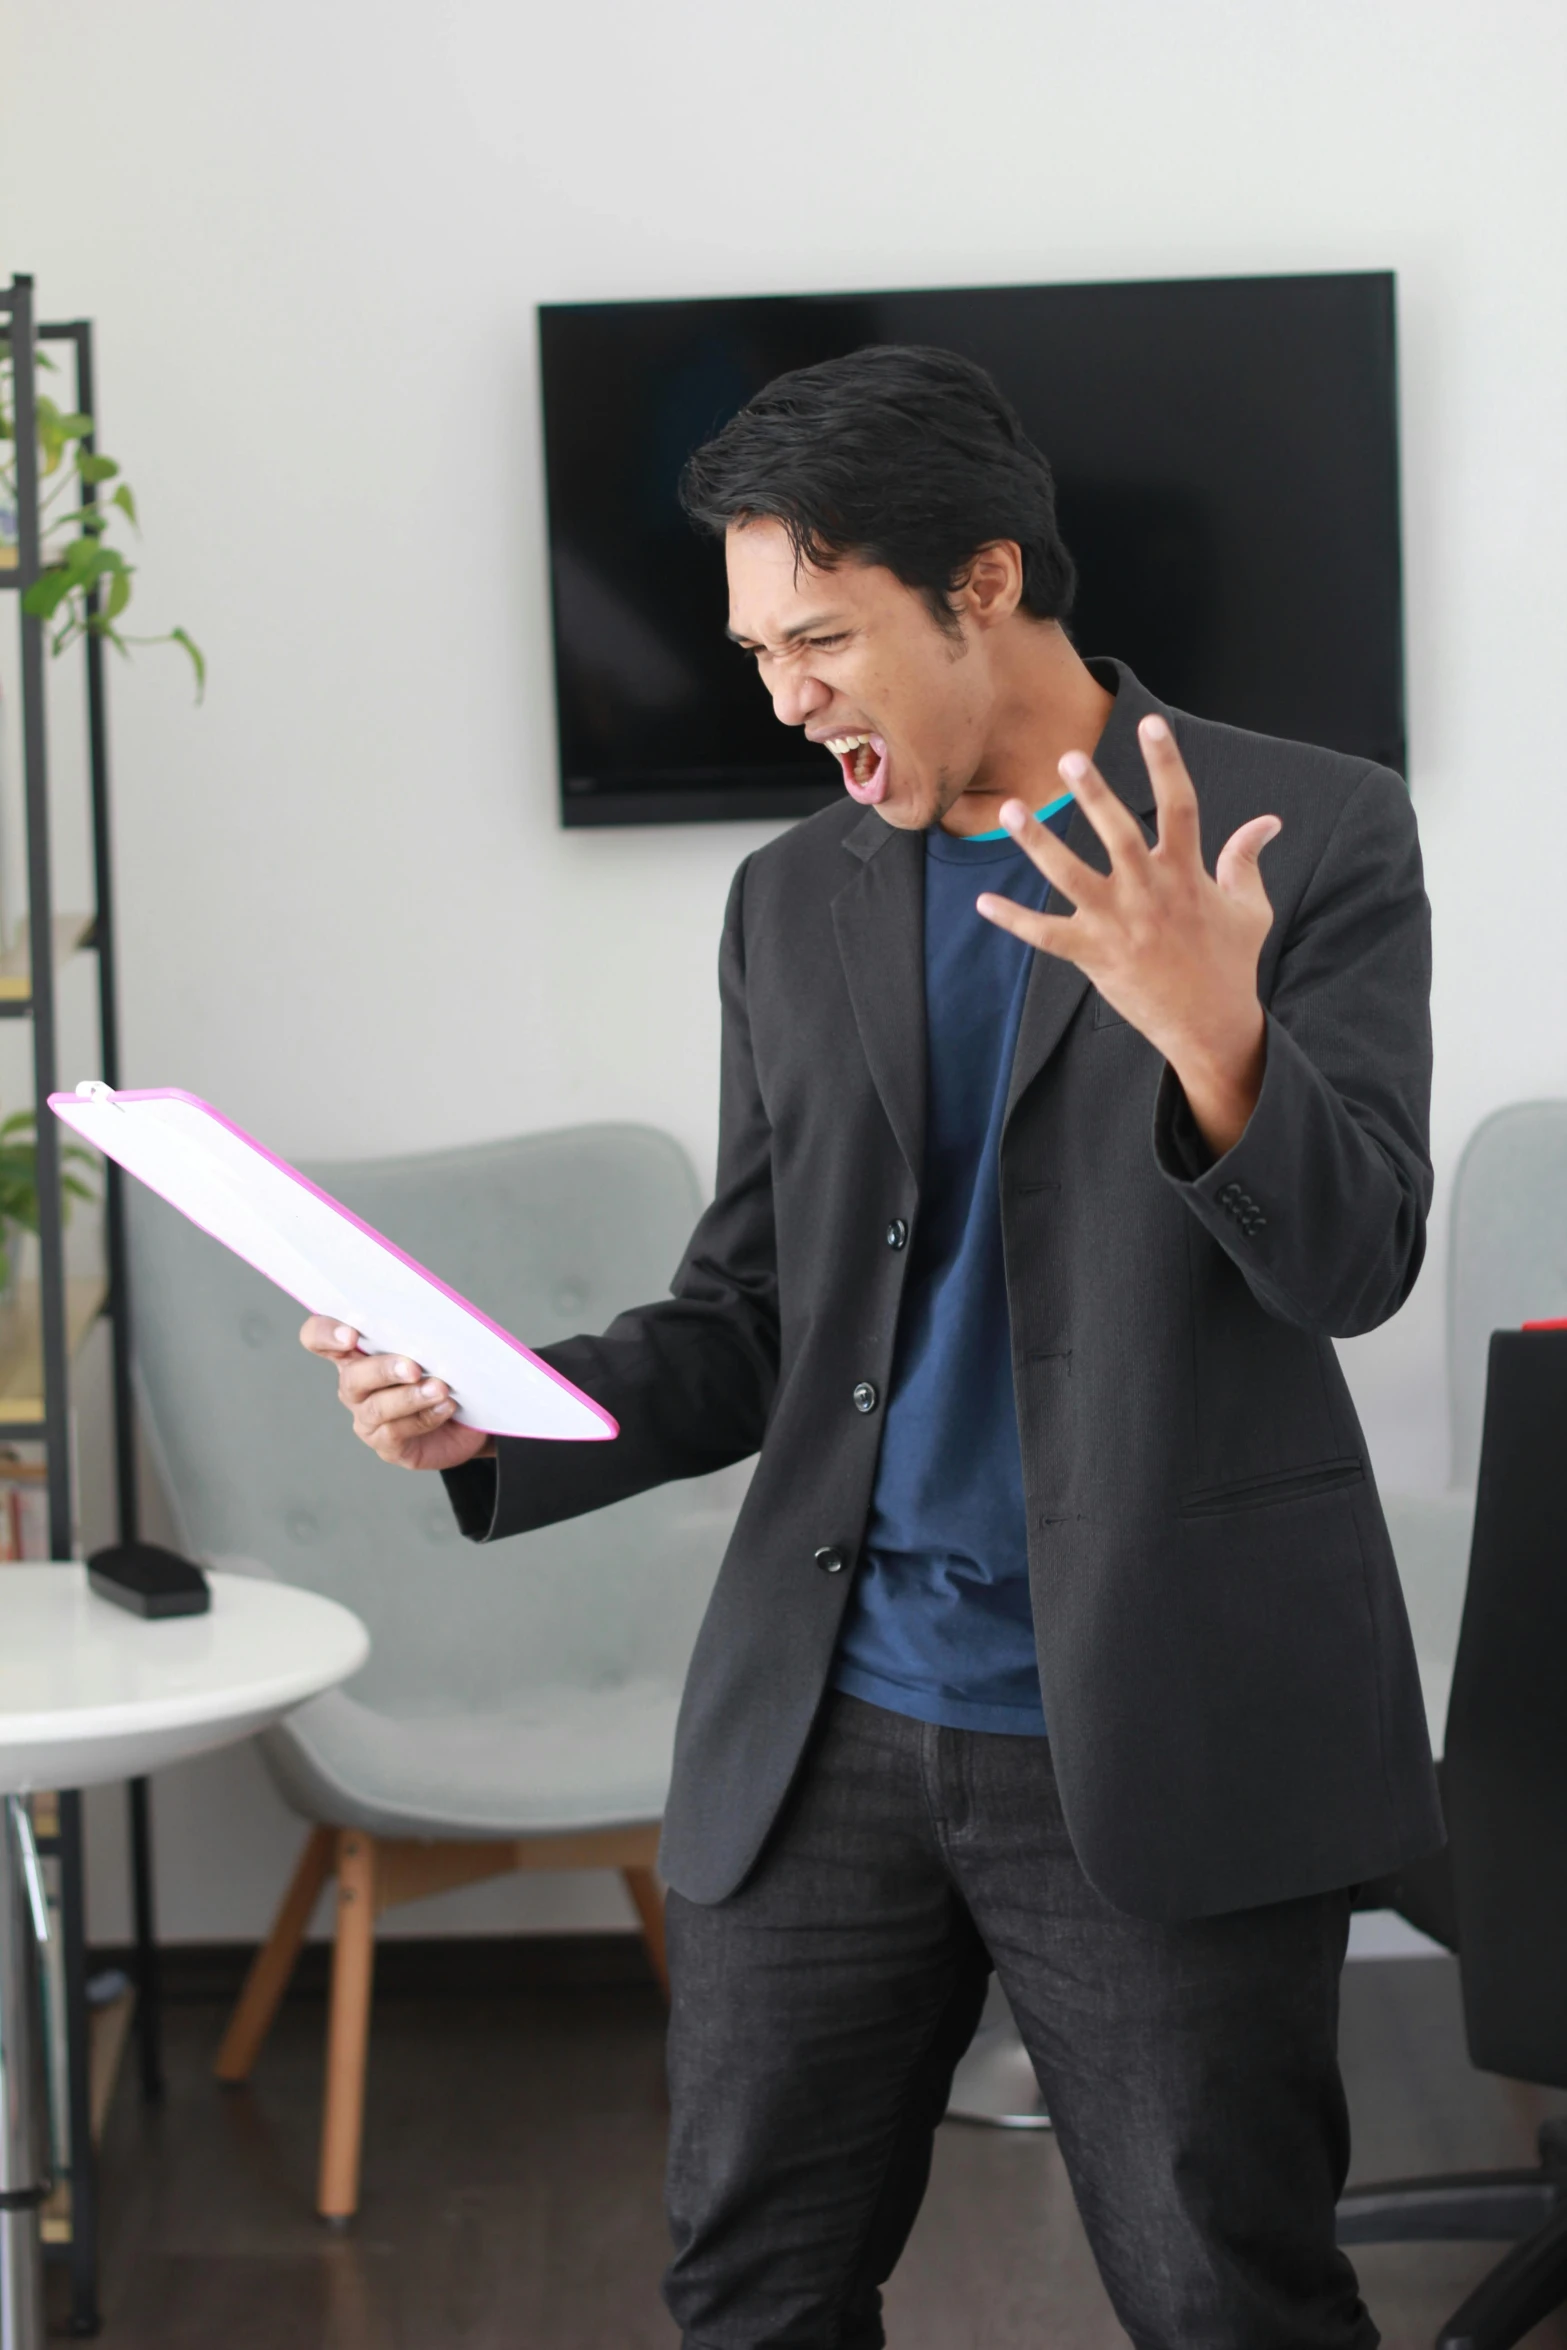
[[1059, 1630]]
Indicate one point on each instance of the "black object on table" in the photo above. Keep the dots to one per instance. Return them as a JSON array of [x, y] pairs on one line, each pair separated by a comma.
[[149, 1580]]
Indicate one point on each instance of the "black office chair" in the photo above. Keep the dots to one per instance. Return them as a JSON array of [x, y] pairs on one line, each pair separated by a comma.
[[1498, 1894]]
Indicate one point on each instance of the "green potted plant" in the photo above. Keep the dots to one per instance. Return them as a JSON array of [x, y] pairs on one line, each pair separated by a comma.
[[79, 559], [78, 555], [19, 1189]]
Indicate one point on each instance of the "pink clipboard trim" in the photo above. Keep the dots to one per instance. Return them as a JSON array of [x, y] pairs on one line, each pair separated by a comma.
[[61, 1102]]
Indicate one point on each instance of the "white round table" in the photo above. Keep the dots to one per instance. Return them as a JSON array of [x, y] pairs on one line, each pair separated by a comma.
[[90, 1692]]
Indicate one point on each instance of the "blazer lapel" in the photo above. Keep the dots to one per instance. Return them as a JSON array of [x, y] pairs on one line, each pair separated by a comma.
[[879, 919], [1055, 988]]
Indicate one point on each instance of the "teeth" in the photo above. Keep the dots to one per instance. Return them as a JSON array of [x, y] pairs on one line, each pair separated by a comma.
[[842, 744]]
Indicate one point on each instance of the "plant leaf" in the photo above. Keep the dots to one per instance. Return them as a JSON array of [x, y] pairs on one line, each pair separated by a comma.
[[87, 559], [59, 423], [197, 657], [119, 595], [124, 498], [90, 518], [48, 592], [93, 468], [52, 435]]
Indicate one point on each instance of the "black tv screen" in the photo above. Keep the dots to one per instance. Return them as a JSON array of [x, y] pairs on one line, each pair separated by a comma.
[[1226, 456]]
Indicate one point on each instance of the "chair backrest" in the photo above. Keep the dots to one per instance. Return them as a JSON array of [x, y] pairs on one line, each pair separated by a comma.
[[1504, 1771], [550, 1234], [1507, 1260]]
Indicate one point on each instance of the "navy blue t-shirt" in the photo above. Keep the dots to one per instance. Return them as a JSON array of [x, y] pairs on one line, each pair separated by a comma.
[[939, 1624]]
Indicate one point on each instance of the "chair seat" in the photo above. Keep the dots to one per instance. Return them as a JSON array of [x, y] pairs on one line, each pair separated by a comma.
[[553, 1761]]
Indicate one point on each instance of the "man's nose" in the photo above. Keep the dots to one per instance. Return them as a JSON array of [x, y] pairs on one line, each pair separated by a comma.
[[797, 699]]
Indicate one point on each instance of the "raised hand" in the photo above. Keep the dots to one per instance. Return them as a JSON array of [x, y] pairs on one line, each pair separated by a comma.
[[397, 1411], [1171, 947]]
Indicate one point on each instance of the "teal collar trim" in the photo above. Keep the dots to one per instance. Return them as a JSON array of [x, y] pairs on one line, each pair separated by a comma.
[[1043, 814]]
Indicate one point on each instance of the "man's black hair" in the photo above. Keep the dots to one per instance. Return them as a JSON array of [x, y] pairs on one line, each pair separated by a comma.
[[895, 455]]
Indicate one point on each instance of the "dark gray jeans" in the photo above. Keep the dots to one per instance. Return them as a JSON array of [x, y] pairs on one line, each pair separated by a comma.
[[1191, 2070]]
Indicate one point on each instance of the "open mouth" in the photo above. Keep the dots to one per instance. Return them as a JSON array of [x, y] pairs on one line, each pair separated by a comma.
[[863, 758]]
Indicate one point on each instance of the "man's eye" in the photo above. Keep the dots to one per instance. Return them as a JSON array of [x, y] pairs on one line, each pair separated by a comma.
[[810, 644]]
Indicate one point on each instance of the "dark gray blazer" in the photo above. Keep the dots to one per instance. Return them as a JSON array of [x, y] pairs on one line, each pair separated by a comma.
[[1227, 1669]]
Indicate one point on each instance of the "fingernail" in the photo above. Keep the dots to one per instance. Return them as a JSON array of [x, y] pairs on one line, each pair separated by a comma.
[[406, 1371], [1074, 766], [343, 1335], [431, 1388], [1014, 815], [1156, 730], [442, 1409]]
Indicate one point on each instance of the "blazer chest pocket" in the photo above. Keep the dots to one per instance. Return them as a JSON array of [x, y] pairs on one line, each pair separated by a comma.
[[1281, 1485], [1106, 1015]]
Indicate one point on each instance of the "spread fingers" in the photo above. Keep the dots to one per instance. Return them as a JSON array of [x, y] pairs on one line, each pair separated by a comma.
[[1052, 934], [1114, 822], [1061, 866]]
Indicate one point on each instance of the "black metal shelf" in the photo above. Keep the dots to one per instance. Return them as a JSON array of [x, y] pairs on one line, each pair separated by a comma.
[[58, 1325]]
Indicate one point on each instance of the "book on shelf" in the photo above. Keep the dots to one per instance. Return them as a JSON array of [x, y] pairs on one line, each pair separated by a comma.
[[24, 1503]]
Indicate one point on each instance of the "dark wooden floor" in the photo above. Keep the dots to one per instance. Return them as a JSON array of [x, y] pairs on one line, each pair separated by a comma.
[[512, 2186]]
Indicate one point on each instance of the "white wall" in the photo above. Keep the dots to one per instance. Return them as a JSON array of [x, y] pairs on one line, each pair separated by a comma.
[[312, 237]]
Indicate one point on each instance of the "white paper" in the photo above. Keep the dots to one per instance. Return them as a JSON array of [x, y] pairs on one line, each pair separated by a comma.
[[327, 1259]]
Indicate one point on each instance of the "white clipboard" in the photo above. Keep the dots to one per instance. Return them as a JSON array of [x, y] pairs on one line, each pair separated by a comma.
[[328, 1259]]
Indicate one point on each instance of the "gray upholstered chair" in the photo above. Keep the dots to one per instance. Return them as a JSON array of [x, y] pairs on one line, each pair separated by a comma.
[[1507, 1264], [519, 1703]]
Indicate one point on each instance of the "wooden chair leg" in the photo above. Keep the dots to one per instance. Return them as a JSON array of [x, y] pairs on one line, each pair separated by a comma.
[[348, 2027], [648, 1896], [274, 1961]]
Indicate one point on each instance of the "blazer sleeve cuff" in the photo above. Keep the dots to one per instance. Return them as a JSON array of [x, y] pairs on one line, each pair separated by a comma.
[[474, 1493], [1186, 1160], [531, 1482], [1249, 1198]]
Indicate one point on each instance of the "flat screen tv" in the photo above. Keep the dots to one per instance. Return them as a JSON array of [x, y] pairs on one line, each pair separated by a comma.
[[1226, 455]]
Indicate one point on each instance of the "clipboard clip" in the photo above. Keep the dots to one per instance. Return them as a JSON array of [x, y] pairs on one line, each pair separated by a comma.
[[93, 1089]]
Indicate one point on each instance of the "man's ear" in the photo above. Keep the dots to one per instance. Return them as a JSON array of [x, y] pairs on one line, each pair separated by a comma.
[[992, 587]]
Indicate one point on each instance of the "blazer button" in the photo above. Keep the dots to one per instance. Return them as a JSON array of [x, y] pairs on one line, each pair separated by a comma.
[[865, 1397], [897, 1232], [831, 1560]]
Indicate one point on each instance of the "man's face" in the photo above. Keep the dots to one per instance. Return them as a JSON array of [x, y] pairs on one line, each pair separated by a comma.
[[859, 661]]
